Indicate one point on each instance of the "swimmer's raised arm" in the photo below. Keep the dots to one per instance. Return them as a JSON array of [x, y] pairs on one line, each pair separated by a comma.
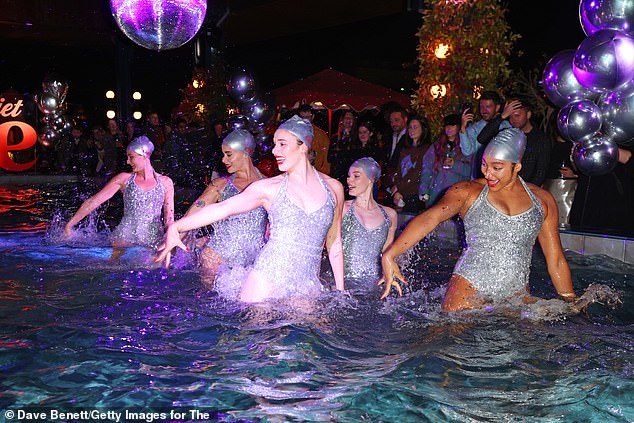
[[453, 202], [211, 195], [106, 193]]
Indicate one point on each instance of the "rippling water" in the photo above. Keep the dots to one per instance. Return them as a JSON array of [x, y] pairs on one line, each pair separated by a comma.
[[77, 331]]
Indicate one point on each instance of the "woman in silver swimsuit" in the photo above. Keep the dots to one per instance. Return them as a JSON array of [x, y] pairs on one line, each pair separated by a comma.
[[503, 217], [145, 195], [236, 240], [367, 227], [305, 209]]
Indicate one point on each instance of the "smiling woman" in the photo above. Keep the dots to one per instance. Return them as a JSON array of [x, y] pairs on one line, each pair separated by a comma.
[[304, 208], [503, 216]]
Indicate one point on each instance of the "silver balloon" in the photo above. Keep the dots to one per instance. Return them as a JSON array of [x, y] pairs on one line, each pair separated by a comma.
[[596, 15], [595, 156], [559, 82], [48, 136], [241, 86], [46, 102], [604, 61], [258, 111], [56, 87], [617, 109], [237, 122], [579, 120], [58, 121]]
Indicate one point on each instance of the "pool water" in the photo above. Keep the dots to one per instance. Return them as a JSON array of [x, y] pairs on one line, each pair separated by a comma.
[[80, 332]]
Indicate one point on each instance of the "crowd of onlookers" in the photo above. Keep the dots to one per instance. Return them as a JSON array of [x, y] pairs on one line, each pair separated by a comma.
[[417, 165]]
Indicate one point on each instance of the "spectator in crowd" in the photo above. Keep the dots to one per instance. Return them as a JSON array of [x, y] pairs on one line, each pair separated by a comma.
[[561, 179], [406, 177], [605, 203], [366, 143], [156, 132], [341, 145], [444, 164], [114, 136], [394, 140], [178, 156], [537, 155], [321, 143], [473, 137]]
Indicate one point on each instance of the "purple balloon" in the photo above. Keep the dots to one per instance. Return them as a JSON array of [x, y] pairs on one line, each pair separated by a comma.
[[579, 120], [595, 156], [159, 24], [617, 109], [559, 83], [604, 61], [237, 122], [241, 86], [596, 15]]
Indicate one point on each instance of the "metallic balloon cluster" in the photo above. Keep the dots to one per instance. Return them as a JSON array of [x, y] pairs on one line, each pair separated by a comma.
[[594, 85], [51, 102], [254, 112], [159, 24]]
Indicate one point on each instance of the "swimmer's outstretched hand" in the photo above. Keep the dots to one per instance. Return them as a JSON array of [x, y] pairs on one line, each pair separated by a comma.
[[172, 240], [391, 275]]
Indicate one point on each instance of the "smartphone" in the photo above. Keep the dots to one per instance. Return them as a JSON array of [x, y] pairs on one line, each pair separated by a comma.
[[467, 106]]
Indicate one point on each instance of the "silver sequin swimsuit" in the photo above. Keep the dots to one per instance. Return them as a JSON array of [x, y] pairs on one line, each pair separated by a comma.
[[290, 261], [499, 247], [239, 238], [142, 215], [362, 247]]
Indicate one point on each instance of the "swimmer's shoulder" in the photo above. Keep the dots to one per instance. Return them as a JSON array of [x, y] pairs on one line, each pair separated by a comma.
[[332, 183], [219, 183], [391, 213], [165, 180], [346, 206], [543, 195], [121, 178]]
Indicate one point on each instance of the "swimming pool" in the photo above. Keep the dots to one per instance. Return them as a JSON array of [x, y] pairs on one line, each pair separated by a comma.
[[78, 333]]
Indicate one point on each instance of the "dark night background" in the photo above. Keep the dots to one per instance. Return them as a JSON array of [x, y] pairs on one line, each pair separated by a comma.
[[278, 40]]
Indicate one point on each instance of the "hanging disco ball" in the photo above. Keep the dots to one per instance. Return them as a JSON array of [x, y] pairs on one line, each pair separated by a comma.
[[159, 24]]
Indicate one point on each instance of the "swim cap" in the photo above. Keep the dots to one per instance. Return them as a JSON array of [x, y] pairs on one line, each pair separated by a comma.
[[301, 128], [507, 145], [240, 140], [370, 167], [141, 146]]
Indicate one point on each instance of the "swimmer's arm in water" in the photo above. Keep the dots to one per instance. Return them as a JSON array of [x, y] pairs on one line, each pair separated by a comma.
[[333, 237], [550, 242], [106, 193], [168, 200], [452, 203], [255, 195]]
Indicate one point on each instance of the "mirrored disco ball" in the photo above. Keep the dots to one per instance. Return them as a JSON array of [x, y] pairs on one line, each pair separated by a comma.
[[159, 24]]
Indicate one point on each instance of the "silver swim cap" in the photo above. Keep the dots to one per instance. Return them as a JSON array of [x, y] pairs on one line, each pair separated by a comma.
[[301, 128], [240, 140], [508, 145], [141, 146], [370, 167]]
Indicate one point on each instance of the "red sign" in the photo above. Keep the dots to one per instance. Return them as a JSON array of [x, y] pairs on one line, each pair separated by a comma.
[[15, 135]]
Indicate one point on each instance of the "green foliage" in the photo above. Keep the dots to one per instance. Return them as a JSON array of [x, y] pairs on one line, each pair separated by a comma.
[[205, 98], [479, 40]]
